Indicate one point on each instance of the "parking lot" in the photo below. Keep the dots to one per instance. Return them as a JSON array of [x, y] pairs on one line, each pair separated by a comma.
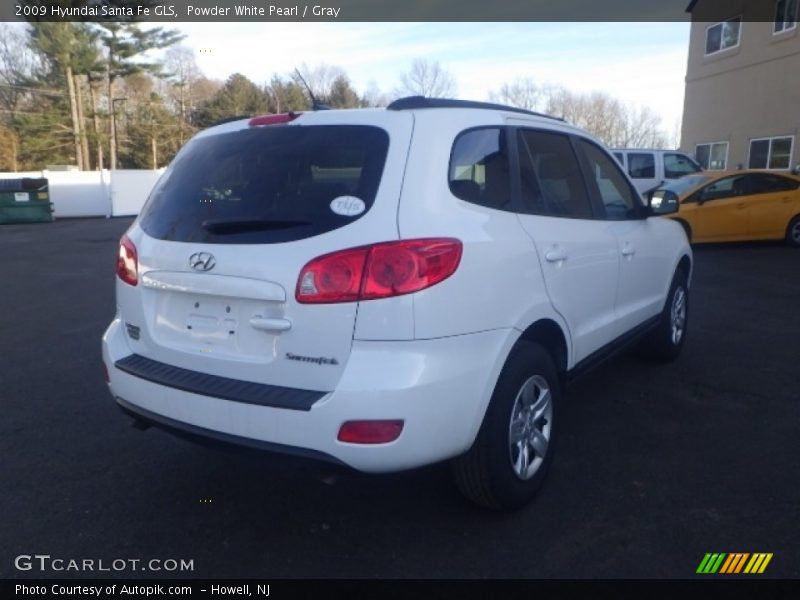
[[655, 467]]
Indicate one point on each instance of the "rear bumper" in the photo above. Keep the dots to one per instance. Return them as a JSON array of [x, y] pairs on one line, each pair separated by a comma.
[[440, 389]]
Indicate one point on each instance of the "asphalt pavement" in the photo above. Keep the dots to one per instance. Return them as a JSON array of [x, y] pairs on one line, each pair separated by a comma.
[[656, 465]]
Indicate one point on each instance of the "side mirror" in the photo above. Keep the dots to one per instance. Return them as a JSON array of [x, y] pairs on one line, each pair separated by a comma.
[[663, 202]]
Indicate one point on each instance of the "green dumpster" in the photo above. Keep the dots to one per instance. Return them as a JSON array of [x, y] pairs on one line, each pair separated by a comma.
[[25, 200]]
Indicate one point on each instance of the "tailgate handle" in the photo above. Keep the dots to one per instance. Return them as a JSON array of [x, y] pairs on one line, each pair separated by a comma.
[[265, 324]]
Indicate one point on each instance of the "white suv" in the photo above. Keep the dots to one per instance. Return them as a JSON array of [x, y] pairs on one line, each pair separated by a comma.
[[389, 288]]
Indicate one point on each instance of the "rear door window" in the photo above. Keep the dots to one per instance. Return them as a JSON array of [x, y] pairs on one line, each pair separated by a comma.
[[641, 165], [550, 176], [267, 184]]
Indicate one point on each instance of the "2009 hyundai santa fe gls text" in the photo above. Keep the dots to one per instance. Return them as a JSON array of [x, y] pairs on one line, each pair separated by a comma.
[[388, 288]]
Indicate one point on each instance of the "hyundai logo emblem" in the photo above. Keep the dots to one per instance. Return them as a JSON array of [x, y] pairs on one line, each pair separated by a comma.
[[202, 261]]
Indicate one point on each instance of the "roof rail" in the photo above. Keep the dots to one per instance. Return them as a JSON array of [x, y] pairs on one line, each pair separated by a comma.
[[413, 102]]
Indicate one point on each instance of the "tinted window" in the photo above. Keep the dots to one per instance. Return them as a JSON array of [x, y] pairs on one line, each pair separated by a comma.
[[768, 184], [267, 184], [550, 175], [641, 165], [618, 156], [678, 165], [617, 196], [479, 168], [727, 187]]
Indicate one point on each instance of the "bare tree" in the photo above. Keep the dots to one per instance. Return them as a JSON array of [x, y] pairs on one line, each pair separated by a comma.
[[427, 78], [320, 79], [184, 72], [522, 93], [374, 97], [615, 123]]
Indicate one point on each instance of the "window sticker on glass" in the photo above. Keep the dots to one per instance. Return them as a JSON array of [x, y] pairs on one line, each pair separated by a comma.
[[348, 206]]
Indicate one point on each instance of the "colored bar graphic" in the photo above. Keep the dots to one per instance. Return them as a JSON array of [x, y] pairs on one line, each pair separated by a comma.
[[734, 563], [703, 563], [741, 562], [765, 563], [728, 564], [711, 563]]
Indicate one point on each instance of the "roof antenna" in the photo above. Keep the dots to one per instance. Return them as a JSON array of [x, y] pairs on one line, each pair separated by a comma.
[[314, 104]]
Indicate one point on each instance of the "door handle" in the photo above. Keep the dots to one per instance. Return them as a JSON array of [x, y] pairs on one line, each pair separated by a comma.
[[265, 324], [556, 254], [628, 250]]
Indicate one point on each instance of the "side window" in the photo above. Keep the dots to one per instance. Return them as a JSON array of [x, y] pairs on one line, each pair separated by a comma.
[[550, 176], [641, 165], [769, 184], [619, 157], [618, 198], [678, 165], [727, 187], [479, 167]]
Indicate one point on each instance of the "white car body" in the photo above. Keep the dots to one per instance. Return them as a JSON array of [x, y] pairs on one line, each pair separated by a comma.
[[430, 359]]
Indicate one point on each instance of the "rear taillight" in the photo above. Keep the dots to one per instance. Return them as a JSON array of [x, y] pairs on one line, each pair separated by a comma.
[[127, 262], [378, 271], [370, 432]]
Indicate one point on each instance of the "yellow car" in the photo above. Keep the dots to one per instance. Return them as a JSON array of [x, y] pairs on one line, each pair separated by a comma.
[[736, 205]]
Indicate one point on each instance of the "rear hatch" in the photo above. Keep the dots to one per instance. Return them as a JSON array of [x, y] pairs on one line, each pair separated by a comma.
[[228, 228]]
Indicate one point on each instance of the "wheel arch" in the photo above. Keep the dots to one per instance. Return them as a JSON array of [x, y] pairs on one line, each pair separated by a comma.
[[686, 227], [550, 335], [792, 220]]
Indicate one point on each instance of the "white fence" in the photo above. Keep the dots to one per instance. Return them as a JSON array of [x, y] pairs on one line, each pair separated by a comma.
[[95, 193]]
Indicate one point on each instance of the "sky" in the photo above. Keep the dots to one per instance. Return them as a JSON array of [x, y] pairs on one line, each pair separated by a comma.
[[642, 64]]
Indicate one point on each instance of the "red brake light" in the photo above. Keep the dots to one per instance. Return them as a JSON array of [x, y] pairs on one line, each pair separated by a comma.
[[333, 278], [378, 271], [127, 262], [274, 119], [370, 432]]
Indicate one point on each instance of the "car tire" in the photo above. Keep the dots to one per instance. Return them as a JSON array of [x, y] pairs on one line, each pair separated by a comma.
[[793, 232], [513, 450], [665, 342]]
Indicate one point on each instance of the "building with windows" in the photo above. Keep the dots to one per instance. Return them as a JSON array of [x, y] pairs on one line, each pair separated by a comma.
[[742, 102]]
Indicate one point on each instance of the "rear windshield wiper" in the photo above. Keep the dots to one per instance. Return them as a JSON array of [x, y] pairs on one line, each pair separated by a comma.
[[223, 226]]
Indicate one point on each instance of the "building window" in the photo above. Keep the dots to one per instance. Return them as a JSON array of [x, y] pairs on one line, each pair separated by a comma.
[[713, 156], [785, 15], [770, 153], [723, 35]]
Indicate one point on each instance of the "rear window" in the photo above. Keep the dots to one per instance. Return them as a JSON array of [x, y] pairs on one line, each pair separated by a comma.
[[268, 184]]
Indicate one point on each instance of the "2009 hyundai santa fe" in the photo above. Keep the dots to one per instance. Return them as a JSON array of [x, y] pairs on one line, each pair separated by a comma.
[[388, 288]]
